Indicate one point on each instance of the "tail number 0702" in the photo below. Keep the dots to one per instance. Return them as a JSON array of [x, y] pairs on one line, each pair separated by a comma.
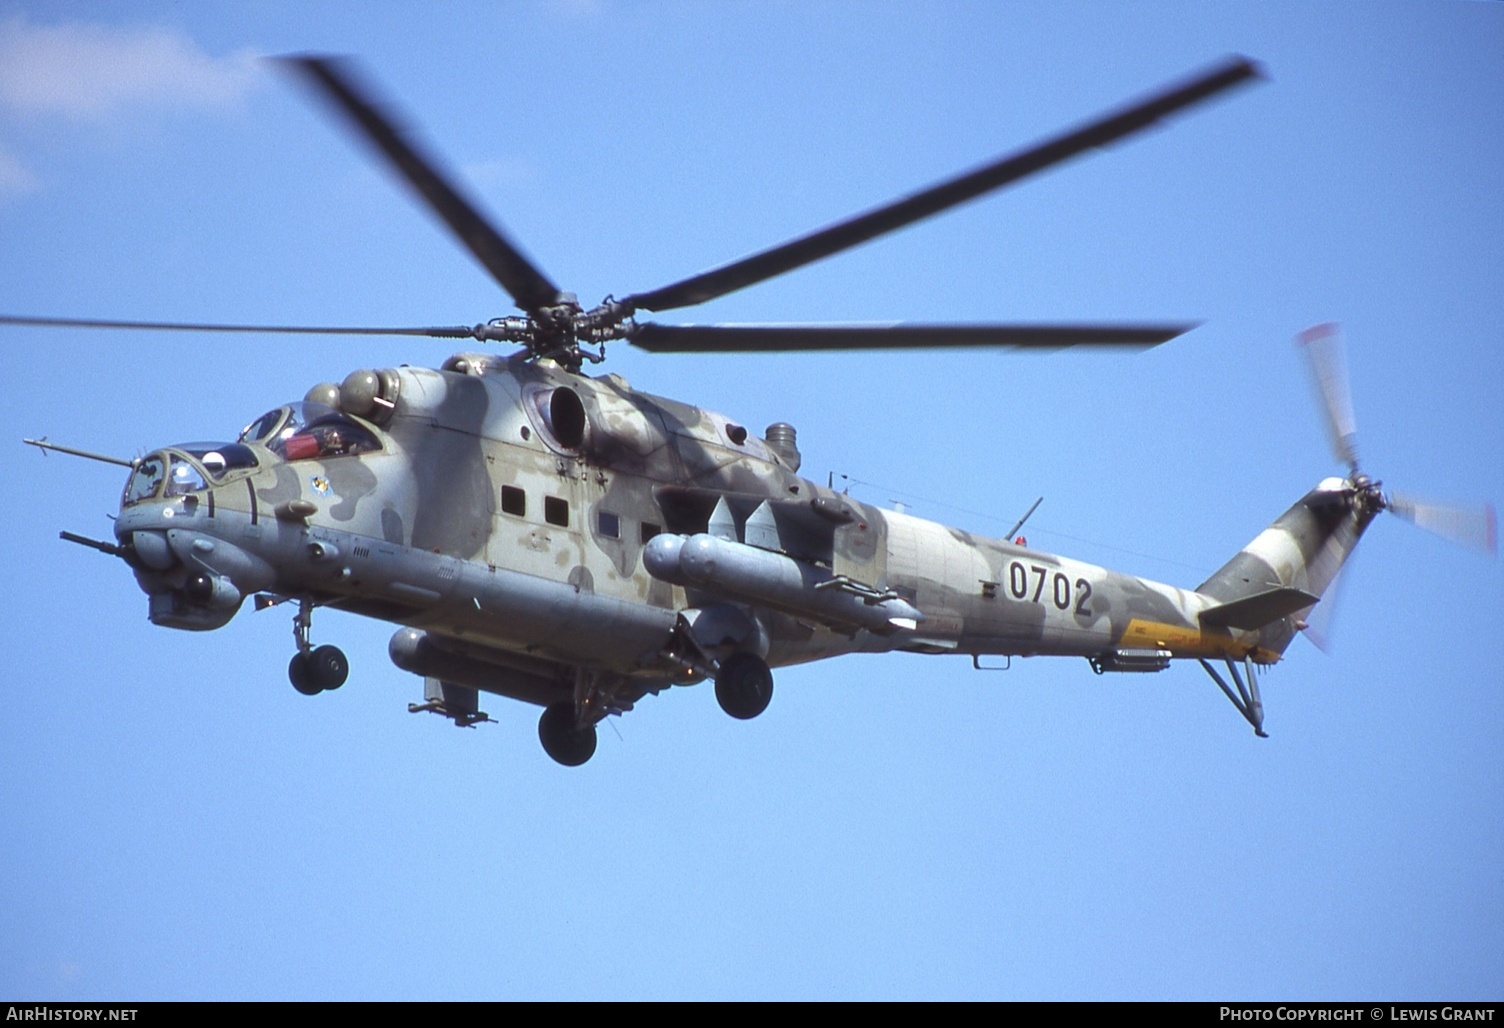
[[1029, 582]]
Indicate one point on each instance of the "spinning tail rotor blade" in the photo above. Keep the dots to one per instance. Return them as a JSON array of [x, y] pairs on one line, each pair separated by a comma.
[[1475, 528], [337, 80], [1321, 620], [1322, 346]]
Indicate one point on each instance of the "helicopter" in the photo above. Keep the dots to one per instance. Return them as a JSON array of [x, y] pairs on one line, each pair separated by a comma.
[[563, 539]]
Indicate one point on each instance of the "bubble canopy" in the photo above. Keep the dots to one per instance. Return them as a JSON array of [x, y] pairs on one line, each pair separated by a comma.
[[308, 430], [293, 431], [186, 468]]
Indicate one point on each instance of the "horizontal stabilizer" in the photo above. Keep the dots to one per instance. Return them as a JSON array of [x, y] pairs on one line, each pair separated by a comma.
[[1256, 611]]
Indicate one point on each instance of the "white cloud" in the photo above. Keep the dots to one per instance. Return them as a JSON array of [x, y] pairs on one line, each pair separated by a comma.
[[88, 71], [15, 180]]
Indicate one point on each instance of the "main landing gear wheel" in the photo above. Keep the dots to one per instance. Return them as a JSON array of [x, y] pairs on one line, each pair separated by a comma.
[[317, 670], [300, 676], [311, 671], [744, 685], [562, 738]]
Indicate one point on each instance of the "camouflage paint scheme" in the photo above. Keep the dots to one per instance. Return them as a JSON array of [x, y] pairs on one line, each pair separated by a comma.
[[568, 541], [416, 533]]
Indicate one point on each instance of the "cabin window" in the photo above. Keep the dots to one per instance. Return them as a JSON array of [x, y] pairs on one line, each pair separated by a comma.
[[556, 511], [649, 530], [184, 479], [513, 501], [609, 524], [262, 427], [145, 479]]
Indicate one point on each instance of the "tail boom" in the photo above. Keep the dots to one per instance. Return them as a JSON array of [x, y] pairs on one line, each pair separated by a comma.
[[1279, 576]]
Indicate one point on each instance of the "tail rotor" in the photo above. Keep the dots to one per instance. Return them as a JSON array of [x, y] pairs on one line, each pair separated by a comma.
[[1473, 527]]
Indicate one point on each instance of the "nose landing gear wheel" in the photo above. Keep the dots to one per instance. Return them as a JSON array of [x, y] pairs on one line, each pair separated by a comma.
[[301, 677], [329, 666], [744, 685], [313, 672], [562, 739]]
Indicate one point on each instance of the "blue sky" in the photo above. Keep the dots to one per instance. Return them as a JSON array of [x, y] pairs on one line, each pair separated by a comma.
[[176, 822]]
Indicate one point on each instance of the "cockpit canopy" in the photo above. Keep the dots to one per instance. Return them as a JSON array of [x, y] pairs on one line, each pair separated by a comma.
[[294, 431], [281, 422], [187, 468], [305, 430]]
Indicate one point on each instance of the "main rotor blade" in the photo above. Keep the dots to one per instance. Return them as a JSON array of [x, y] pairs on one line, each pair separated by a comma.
[[1476, 528], [338, 81], [1321, 620], [776, 338], [891, 217], [1322, 346], [438, 332]]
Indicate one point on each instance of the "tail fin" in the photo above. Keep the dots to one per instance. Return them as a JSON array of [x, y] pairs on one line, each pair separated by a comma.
[[1272, 583]]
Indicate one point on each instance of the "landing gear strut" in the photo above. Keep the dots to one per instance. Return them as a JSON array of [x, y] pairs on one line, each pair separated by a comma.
[[312, 671], [743, 685], [1247, 699], [563, 737]]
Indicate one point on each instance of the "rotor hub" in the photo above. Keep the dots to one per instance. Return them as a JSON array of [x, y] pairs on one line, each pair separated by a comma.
[[561, 331], [1368, 496]]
